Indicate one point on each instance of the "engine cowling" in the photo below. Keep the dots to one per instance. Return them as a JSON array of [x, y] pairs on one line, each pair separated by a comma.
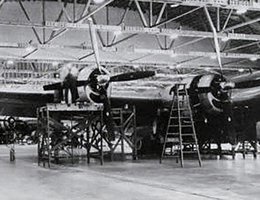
[[204, 91], [212, 100], [92, 92]]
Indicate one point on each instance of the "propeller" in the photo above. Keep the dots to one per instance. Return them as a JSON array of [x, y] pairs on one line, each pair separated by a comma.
[[98, 81], [247, 80], [132, 76]]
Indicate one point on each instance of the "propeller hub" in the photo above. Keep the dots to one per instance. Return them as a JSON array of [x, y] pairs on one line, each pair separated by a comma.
[[103, 79], [227, 85]]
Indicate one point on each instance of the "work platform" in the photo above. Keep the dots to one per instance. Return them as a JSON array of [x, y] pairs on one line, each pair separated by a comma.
[[64, 129]]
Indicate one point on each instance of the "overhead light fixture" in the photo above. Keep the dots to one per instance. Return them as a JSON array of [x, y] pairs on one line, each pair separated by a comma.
[[241, 70], [213, 57], [174, 5], [241, 11], [224, 39], [10, 62], [29, 48], [117, 33], [205, 120], [173, 55], [135, 66], [229, 119], [55, 63], [253, 58], [173, 36], [56, 75], [98, 1]]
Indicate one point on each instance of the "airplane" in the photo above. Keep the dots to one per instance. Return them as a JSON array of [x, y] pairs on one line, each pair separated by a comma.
[[19, 128], [215, 101]]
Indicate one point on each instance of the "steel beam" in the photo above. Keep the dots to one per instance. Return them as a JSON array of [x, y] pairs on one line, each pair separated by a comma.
[[174, 18], [161, 13], [197, 54], [93, 37], [227, 20], [126, 12], [58, 19], [28, 18], [234, 4], [218, 19], [43, 21], [62, 31], [79, 21], [94, 11], [86, 56], [242, 46], [74, 10], [141, 13], [1, 3], [86, 8], [217, 48], [110, 62], [188, 43], [133, 30], [241, 25], [10, 45], [151, 13], [64, 10]]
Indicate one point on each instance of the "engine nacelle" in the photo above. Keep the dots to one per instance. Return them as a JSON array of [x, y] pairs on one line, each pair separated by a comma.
[[212, 100], [92, 92], [205, 91]]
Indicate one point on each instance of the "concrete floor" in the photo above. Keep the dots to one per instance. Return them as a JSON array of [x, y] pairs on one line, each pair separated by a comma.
[[143, 179]]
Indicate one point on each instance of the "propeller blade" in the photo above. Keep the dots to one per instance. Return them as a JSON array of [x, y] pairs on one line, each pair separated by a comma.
[[201, 90], [247, 80], [132, 76], [108, 120], [83, 83], [247, 84], [54, 86]]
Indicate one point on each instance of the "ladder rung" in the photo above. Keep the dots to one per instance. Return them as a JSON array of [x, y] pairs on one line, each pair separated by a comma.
[[189, 143], [182, 93], [173, 136], [181, 109], [170, 133], [190, 152], [173, 142], [180, 129], [183, 126], [187, 134], [170, 156], [180, 117]]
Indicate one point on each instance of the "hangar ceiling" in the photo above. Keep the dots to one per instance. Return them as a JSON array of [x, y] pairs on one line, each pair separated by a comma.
[[181, 35]]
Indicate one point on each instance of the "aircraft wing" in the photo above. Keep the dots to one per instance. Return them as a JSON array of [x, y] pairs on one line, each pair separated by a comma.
[[25, 104], [15, 103], [246, 96], [247, 89]]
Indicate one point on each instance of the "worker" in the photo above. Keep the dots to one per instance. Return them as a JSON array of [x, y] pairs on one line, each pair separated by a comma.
[[70, 75]]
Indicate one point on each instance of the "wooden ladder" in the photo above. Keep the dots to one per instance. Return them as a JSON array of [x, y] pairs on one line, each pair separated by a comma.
[[180, 137]]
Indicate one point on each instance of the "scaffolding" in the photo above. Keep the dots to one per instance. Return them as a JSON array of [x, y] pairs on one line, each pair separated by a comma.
[[8, 136], [125, 129], [62, 128]]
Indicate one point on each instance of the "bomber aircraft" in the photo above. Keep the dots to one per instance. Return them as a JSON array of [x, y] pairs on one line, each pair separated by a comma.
[[225, 110]]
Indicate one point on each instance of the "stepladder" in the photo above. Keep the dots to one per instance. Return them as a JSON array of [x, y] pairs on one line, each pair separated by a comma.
[[180, 137]]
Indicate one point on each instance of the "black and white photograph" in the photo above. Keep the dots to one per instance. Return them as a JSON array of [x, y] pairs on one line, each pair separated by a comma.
[[129, 99]]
